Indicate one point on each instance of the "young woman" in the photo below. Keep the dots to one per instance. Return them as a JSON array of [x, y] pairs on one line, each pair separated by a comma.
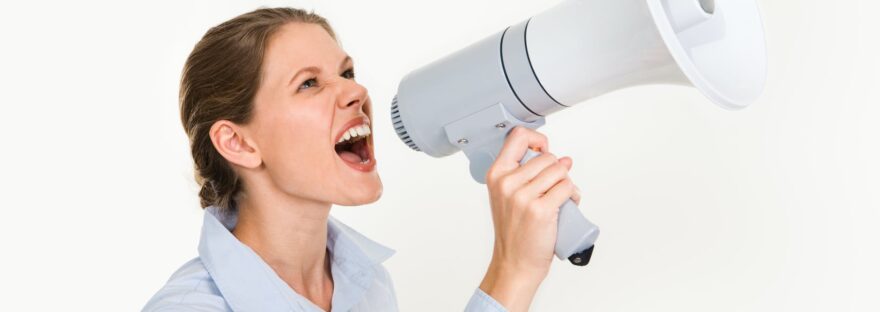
[[280, 131]]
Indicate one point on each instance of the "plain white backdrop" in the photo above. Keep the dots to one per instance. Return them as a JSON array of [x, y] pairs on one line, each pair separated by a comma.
[[772, 208]]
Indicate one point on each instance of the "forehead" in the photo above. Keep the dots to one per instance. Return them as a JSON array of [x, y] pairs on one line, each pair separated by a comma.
[[298, 45]]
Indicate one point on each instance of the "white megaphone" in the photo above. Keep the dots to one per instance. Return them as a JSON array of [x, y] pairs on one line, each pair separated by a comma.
[[572, 52]]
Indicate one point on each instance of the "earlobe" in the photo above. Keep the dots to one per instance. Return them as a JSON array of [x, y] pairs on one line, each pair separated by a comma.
[[229, 140]]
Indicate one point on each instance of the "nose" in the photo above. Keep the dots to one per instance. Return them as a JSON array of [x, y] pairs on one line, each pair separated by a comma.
[[352, 94]]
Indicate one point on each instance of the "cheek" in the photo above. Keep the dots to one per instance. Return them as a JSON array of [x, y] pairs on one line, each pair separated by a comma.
[[296, 149], [308, 139]]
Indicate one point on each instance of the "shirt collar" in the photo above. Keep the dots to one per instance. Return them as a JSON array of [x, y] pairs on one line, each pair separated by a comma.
[[249, 284]]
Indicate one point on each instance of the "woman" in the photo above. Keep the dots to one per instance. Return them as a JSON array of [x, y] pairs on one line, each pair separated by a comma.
[[280, 131]]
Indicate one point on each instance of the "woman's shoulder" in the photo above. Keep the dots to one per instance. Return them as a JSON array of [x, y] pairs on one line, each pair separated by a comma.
[[190, 288]]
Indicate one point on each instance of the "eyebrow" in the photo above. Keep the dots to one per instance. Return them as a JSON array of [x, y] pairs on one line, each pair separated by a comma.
[[315, 69]]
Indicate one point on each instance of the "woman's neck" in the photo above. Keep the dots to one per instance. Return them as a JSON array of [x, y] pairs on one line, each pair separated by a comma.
[[290, 235]]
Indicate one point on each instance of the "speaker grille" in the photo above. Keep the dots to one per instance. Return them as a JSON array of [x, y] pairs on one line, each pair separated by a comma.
[[397, 122]]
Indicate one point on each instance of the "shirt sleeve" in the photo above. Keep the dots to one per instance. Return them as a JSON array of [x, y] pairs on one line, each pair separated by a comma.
[[482, 302]]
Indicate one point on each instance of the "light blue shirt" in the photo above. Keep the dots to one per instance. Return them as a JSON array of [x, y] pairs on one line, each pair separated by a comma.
[[228, 276]]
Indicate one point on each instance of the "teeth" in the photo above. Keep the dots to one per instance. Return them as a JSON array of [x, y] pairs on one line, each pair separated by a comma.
[[355, 132]]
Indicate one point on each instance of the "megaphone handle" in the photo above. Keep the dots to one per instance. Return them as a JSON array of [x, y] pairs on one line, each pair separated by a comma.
[[576, 235]]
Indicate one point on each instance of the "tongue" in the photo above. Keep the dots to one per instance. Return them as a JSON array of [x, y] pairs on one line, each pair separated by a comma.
[[350, 157]]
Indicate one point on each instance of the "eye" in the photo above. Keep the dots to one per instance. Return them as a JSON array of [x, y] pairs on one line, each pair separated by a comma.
[[348, 74], [308, 84]]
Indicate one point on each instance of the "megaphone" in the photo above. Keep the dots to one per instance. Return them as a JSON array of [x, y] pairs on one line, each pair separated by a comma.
[[574, 51]]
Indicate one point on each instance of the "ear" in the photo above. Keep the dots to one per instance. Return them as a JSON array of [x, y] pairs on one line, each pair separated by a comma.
[[232, 144]]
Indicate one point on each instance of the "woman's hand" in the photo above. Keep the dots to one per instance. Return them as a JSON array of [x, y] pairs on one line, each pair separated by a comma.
[[525, 209]]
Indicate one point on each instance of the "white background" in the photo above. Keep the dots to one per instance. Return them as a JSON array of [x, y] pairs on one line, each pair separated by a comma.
[[771, 208]]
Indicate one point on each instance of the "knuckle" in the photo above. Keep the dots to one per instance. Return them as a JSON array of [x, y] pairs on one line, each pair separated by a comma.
[[535, 209], [492, 175], [568, 185], [560, 168], [520, 199], [505, 185], [518, 131], [541, 136]]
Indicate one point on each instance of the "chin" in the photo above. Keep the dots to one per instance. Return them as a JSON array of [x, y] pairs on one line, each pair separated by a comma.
[[365, 193]]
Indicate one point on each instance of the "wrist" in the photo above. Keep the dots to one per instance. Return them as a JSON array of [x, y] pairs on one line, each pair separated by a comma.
[[512, 287]]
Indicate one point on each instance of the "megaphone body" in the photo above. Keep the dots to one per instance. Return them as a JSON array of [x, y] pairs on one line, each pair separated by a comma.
[[575, 51]]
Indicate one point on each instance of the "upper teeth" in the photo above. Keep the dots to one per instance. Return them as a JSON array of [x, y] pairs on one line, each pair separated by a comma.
[[355, 132]]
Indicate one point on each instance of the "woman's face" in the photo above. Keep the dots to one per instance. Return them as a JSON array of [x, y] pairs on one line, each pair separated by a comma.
[[311, 121]]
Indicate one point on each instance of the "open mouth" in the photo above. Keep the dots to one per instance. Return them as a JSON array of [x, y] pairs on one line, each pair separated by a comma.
[[354, 147]]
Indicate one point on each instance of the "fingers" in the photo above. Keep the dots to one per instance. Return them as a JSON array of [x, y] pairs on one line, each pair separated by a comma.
[[532, 168], [576, 196], [559, 193], [546, 179], [566, 161], [515, 146], [553, 185]]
